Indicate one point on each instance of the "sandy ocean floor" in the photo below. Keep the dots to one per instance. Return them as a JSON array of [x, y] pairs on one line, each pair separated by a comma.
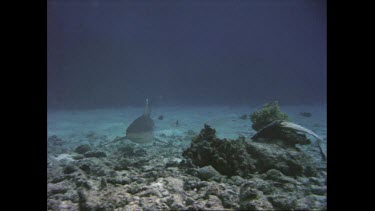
[[73, 125], [92, 127]]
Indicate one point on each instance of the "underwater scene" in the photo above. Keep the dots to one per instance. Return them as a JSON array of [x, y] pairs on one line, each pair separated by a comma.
[[186, 105]]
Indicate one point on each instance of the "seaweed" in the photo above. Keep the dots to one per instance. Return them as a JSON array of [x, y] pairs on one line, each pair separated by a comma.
[[269, 113]]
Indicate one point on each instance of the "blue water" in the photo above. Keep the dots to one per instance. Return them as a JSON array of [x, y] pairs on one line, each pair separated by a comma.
[[106, 54]]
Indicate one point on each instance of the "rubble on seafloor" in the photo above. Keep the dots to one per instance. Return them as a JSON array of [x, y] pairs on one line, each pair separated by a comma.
[[207, 174]]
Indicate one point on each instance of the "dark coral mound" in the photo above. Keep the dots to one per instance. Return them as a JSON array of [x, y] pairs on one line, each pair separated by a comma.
[[81, 149], [240, 157], [226, 156]]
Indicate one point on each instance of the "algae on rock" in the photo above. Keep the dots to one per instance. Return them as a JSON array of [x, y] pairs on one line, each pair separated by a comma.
[[269, 113]]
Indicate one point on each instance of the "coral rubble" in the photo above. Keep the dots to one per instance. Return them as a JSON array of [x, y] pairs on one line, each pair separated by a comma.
[[210, 174]]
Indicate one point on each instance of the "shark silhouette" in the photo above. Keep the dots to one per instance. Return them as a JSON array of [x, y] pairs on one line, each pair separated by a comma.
[[140, 130]]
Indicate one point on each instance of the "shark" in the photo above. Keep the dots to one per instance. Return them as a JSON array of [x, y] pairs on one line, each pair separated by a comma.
[[140, 130]]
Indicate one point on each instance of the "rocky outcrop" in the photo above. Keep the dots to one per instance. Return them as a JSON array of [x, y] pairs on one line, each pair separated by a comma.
[[240, 157], [155, 177]]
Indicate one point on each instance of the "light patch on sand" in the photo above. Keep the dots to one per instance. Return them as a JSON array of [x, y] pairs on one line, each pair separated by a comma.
[[64, 156]]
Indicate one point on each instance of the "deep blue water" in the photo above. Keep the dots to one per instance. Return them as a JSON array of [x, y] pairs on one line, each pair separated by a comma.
[[117, 53]]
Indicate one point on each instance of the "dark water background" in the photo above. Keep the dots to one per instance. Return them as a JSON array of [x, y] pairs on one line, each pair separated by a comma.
[[116, 53]]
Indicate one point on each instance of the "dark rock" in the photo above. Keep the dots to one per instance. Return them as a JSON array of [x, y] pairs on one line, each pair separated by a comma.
[[94, 166], [213, 189], [53, 189], [189, 201], [191, 185], [81, 149], [53, 204], [54, 140], [186, 163], [119, 180], [207, 172], [69, 169], [227, 194], [103, 183], [274, 174], [290, 162], [276, 133], [236, 180], [140, 152], [82, 199], [318, 190], [86, 168], [56, 175], [310, 171], [294, 168], [96, 154], [134, 189], [229, 199], [282, 202], [214, 203], [151, 174], [81, 182], [253, 199], [139, 163], [263, 185], [316, 181], [172, 164], [126, 151], [59, 178], [161, 117], [311, 202], [150, 204], [123, 164], [227, 157]]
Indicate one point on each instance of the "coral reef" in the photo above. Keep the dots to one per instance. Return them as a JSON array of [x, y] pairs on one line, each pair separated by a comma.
[[226, 156], [240, 157], [269, 113]]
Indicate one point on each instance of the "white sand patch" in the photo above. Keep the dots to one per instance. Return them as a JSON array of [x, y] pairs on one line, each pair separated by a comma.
[[63, 156]]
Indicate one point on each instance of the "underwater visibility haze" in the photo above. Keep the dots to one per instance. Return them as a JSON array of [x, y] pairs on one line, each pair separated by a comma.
[[176, 105]]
